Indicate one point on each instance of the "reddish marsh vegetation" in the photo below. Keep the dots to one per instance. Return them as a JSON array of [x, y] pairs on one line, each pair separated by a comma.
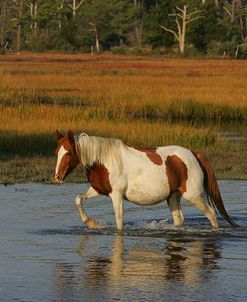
[[139, 99]]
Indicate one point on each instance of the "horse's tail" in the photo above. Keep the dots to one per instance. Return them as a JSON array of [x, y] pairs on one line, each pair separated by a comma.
[[211, 188]]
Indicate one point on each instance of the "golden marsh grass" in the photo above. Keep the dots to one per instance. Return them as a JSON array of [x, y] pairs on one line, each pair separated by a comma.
[[138, 99]]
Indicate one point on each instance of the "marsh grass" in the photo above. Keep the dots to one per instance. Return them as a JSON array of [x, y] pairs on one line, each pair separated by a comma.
[[144, 101]]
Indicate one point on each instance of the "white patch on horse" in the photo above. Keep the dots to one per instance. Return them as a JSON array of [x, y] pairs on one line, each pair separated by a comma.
[[147, 182], [62, 151]]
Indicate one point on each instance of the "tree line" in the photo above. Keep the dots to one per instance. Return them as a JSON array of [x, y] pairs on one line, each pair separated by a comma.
[[211, 27]]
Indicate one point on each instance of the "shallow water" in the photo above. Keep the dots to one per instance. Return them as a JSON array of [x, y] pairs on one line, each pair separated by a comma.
[[46, 254]]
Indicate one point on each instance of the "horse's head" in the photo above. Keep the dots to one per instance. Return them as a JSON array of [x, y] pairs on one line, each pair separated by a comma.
[[66, 156]]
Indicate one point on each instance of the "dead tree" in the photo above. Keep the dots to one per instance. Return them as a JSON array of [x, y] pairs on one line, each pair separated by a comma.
[[138, 5], [182, 18], [75, 6], [18, 7], [237, 12], [3, 22], [33, 7], [94, 29]]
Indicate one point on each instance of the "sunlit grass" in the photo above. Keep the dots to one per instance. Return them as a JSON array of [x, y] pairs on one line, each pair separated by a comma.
[[140, 86], [137, 99], [34, 126]]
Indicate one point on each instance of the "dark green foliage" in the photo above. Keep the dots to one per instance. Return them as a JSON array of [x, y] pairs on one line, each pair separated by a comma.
[[117, 25]]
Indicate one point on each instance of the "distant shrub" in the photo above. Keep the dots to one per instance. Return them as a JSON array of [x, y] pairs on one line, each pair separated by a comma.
[[120, 50], [2, 51], [191, 51], [225, 49], [243, 50]]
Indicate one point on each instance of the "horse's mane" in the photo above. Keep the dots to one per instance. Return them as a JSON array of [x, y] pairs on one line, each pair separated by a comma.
[[100, 150]]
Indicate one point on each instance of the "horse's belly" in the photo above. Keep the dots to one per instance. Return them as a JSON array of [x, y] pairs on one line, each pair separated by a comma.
[[146, 194]]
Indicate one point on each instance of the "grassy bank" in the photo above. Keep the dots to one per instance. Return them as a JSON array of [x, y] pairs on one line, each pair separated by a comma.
[[229, 162], [144, 101], [27, 152]]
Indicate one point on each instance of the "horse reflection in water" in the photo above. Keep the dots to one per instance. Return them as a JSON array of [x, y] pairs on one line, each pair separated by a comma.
[[181, 261], [187, 261]]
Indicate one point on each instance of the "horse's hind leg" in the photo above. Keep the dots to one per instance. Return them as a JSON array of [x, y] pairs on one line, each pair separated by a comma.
[[91, 223], [117, 201], [199, 203], [175, 208]]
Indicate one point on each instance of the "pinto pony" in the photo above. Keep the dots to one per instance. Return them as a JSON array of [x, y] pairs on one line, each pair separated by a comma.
[[144, 176]]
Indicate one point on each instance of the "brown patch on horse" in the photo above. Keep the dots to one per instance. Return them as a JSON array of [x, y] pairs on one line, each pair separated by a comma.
[[98, 176], [177, 174], [151, 154]]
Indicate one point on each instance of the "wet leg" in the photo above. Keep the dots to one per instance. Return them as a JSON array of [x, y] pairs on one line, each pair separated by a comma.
[[175, 208], [117, 201], [91, 223], [205, 208]]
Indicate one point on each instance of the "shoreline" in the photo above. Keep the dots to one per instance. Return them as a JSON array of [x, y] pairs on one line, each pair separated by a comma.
[[226, 164]]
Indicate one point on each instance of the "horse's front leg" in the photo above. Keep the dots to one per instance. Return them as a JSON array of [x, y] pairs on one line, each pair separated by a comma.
[[90, 223], [117, 201]]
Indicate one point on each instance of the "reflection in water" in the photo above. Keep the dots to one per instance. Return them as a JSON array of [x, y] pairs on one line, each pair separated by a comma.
[[65, 281], [181, 260], [46, 256]]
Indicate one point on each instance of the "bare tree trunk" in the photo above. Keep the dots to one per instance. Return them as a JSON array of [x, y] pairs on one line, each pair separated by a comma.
[[241, 21], [3, 23], [59, 8], [233, 10], [35, 17], [75, 6], [20, 11], [183, 33], [138, 5], [33, 13], [97, 42], [182, 19], [18, 5], [236, 12]]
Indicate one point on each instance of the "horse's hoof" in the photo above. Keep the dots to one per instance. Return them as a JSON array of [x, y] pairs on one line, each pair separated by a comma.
[[92, 224]]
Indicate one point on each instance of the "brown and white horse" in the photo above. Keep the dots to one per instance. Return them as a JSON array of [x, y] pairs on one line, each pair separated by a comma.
[[144, 176]]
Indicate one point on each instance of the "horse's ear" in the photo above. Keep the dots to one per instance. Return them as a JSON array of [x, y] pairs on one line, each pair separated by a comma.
[[71, 137], [59, 135]]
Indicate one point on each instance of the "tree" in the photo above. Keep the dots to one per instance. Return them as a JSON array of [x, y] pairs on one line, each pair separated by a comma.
[[183, 16], [94, 29], [158, 14], [3, 13], [18, 7], [33, 8], [215, 1], [75, 5], [138, 21]]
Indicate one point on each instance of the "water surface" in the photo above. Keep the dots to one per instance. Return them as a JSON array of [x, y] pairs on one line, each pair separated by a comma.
[[46, 254]]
